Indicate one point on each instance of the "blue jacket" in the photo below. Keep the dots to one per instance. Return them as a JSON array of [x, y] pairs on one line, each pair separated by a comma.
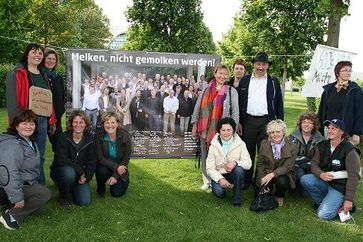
[[275, 103], [352, 113]]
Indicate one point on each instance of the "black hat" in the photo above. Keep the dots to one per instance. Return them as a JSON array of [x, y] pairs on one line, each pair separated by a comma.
[[336, 122], [262, 57]]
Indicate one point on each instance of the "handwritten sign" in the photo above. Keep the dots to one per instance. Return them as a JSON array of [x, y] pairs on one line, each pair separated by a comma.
[[321, 71], [40, 101]]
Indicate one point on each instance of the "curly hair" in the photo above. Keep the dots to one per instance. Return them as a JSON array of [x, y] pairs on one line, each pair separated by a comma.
[[309, 116]]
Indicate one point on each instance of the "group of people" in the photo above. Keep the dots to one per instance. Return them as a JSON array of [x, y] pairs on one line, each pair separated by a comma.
[[232, 118], [79, 152], [163, 103], [319, 158]]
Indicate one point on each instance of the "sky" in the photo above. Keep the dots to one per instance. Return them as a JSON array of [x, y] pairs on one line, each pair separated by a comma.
[[220, 19]]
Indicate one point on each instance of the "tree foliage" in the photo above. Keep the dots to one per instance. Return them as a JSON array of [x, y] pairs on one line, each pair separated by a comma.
[[281, 28], [168, 26], [68, 23]]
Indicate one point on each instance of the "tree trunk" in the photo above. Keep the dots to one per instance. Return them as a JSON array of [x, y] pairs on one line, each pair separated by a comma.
[[334, 23]]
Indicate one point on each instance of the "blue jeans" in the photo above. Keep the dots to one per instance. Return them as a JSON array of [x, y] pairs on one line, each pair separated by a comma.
[[102, 175], [154, 122], [322, 193], [92, 115], [41, 140], [299, 173], [69, 189], [236, 177]]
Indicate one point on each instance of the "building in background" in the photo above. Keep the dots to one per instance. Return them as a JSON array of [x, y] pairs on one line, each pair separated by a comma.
[[117, 42]]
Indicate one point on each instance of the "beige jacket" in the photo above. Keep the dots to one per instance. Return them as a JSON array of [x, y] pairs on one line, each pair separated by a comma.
[[216, 158]]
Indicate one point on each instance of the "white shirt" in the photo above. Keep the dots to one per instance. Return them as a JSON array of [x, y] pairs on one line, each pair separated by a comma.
[[90, 102], [257, 98], [171, 104]]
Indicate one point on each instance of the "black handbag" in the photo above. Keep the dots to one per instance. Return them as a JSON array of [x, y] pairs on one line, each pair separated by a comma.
[[304, 163], [264, 201]]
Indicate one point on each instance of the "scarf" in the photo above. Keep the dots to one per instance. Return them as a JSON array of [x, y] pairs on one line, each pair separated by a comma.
[[52, 74], [276, 149], [340, 85], [211, 110]]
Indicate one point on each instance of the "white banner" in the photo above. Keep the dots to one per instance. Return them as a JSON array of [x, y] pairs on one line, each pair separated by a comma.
[[321, 71]]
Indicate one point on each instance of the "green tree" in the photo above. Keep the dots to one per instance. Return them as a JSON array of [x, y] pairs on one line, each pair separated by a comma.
[[287, 30], [71, 23], [168, 26]]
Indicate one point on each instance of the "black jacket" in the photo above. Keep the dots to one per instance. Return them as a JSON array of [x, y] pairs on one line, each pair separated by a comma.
[[352, 113], [58, 95], [275, 105], [83, 159], [185, 106], [123, 152]]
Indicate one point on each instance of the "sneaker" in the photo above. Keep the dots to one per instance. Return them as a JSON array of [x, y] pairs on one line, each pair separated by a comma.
[[9, 221], [205, 187]]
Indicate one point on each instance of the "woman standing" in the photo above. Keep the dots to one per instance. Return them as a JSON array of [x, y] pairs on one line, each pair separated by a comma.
[[23, 195], [57, 88], [227, 161], [27, 74], [343, 99], [276, 161], [217, 101], [114, 151], [335, 173], [75, 161]]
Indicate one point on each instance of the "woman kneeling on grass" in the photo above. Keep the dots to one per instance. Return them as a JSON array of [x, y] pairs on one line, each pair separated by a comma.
[[114, 151], [335, 167], [20, 192], [75, 161], [276, 162], [227, 161]]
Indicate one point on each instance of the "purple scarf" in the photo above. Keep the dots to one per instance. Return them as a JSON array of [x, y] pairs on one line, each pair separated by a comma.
[[276, 149]]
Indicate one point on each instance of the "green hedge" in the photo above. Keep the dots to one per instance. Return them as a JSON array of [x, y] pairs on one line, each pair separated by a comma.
[[4, 69]]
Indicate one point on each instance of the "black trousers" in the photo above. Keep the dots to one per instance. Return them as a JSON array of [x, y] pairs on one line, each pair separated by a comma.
[[253, 132]]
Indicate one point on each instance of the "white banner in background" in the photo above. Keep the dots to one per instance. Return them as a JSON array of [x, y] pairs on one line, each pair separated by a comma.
[[321, 71]]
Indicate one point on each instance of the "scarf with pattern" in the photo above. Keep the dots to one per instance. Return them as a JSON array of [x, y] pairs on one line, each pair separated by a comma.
[[211, 110], [276, 149], [342, 84]]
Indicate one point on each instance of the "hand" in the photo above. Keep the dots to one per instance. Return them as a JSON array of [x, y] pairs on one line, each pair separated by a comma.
[[139, 110], [82, 179], [194, 130], [19, 204], [52, 128], [224, 183], [347, 206], [326, 176], [111, 181], [146, 115], [121, 170], [355, 139], [178, 115], [239, 129], [266, 179], [230, 166]]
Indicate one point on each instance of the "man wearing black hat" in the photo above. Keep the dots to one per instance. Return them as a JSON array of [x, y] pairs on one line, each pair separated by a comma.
[[260, 101]]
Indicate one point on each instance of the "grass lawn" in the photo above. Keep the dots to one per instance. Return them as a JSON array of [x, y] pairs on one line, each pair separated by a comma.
[[164, 203]]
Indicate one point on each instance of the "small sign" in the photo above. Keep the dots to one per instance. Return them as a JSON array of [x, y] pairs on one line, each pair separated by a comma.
[[40, 101]]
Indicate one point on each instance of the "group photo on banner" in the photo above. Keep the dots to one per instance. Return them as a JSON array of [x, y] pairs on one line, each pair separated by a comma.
[[153, 94]]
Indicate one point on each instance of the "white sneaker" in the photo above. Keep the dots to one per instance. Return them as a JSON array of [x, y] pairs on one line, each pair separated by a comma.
[[205, 187]]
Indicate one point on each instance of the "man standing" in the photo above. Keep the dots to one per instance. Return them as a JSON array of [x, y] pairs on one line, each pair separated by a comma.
[[171, 105], [260, 101]]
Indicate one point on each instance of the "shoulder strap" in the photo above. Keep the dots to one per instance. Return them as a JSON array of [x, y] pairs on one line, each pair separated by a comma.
[[230, 102]]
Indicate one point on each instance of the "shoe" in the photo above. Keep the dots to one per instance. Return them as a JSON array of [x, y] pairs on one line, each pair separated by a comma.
[[205, 187], [64, 203], [236, 205], [245, 186], [9, 221], [280, 201], [101, 192]]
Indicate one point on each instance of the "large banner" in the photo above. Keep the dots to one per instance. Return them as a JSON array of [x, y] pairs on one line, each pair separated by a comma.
[[139, 87], [321, 71]]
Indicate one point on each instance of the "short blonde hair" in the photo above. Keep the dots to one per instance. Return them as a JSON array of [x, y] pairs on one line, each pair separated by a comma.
[[107, 115], [276, 124]]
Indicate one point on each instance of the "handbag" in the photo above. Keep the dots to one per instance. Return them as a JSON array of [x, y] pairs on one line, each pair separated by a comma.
[[264, 201]]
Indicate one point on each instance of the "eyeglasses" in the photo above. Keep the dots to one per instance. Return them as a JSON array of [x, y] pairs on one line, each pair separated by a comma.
[[345, 70]]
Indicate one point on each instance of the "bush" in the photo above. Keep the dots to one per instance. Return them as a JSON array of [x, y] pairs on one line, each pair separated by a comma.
[[4, 69]]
